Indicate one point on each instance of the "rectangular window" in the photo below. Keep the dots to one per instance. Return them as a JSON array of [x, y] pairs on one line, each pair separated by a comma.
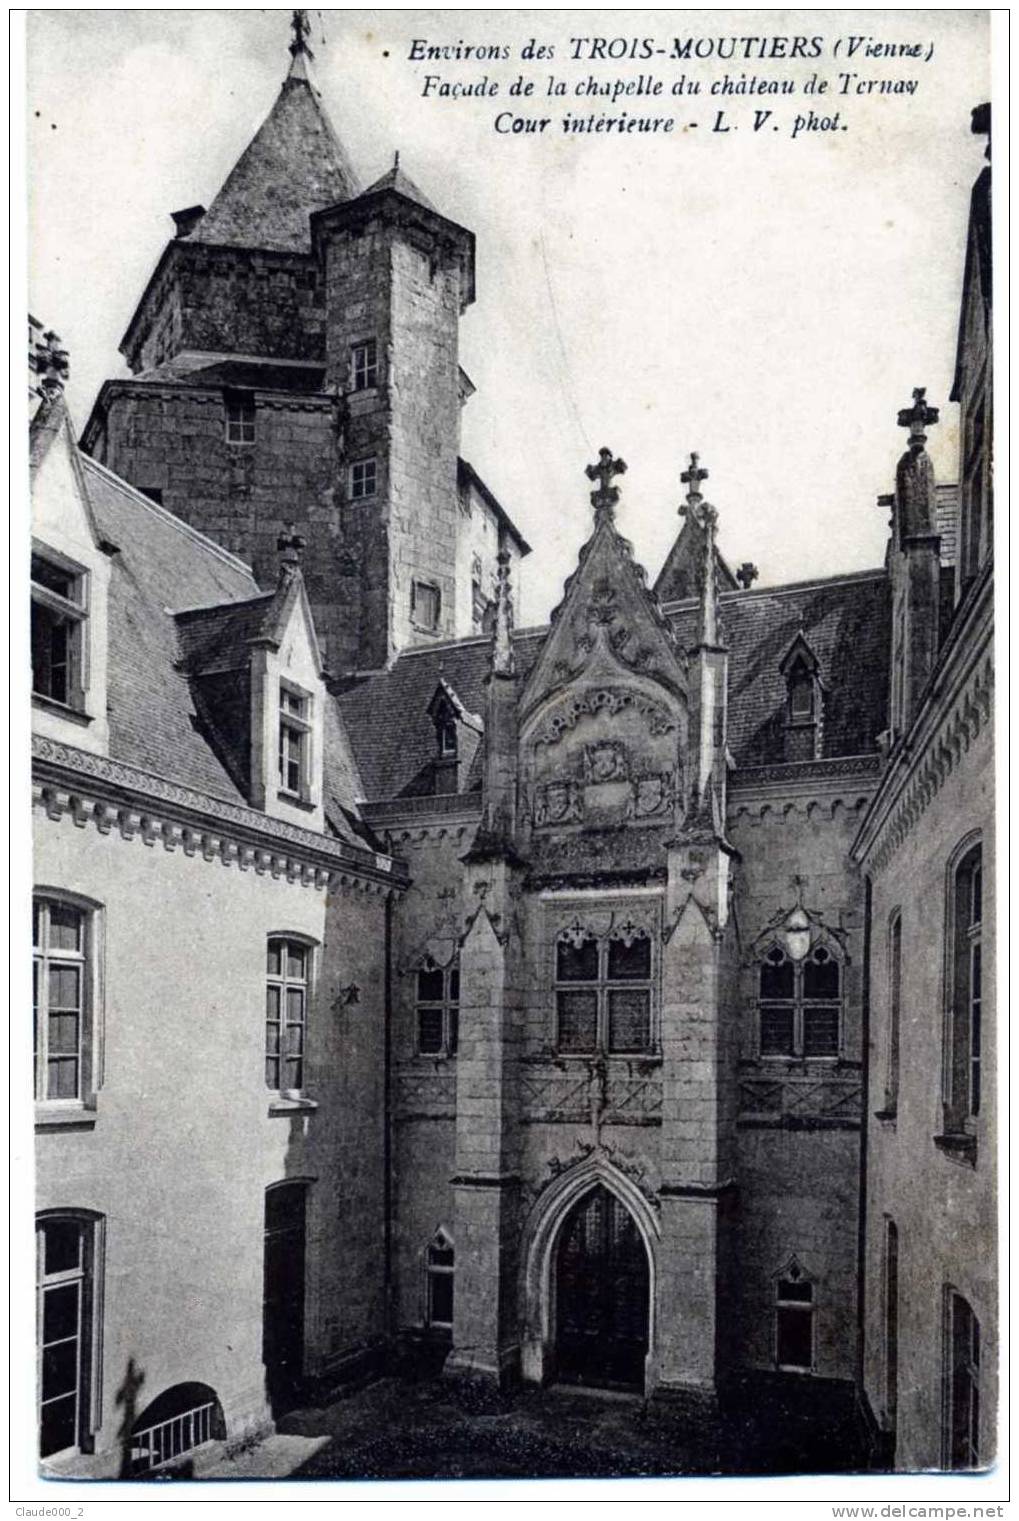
[[294, 742], [794, 1324], [603, 994], [962, 1385], [65, 1258], [965, 1055], [286, 1014], [799, 1004], [894, 1010], [59, 616], [60, 988], [239, 414], [425, 602], [362, 479], [364, 365], [438, 1009]]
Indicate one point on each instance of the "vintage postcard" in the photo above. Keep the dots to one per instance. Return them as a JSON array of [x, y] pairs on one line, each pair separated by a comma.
[[512, 747]]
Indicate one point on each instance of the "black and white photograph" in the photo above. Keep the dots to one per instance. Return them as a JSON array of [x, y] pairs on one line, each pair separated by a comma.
[[508, 670]]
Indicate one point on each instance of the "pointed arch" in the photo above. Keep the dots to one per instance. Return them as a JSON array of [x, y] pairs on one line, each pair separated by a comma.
[[541, 1231]]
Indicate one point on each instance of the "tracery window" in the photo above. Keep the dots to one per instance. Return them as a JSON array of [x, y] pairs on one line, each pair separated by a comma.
[[603, 986], [800, 1004]]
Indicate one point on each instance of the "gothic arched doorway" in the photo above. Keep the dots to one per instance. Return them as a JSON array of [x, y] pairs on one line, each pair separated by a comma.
[[602, 1295]]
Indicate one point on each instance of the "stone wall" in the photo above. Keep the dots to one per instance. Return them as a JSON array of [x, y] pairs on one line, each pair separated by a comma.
[[182, 1144], [943, 1205]]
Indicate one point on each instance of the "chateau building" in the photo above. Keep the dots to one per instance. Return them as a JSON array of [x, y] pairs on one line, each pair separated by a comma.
[[557, 1003]]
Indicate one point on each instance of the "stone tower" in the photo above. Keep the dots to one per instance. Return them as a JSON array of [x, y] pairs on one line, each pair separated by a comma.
[[295, 368]]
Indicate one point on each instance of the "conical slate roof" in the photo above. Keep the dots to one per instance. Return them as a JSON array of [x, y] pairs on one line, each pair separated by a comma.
[[395, 179], [294, 165]]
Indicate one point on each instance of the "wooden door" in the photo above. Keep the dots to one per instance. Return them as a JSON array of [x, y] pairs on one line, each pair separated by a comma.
[[602, 1295]]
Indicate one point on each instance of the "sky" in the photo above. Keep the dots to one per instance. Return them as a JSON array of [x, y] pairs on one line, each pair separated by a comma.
[[768, 302]]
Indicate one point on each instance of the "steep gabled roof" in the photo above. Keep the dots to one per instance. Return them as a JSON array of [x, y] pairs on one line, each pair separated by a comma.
[[294, 165], [677, 578], [395, 179]]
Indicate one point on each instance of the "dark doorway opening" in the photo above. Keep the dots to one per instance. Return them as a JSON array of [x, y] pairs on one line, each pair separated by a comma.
[[602, 1287], [283, 1294]]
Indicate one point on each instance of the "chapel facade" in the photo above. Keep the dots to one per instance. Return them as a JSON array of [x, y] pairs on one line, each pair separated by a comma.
[[553, 1004]]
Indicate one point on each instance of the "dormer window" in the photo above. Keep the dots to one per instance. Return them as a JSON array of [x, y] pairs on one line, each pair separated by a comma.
[[447, 740], [59, 613], [804, 706], [239, 410], [294, 742], [364, 365]]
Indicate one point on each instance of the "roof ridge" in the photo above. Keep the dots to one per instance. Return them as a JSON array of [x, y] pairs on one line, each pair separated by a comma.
[[168, 517], [215, 607], [847, 578]]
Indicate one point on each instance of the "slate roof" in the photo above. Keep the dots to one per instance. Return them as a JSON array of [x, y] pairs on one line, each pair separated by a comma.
[[295, 164], [396, 179], [164, 566], [845, 620]]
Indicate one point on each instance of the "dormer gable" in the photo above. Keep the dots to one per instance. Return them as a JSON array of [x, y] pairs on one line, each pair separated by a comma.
[[603, 716], [458, 734], [70, 580], [257, 680]]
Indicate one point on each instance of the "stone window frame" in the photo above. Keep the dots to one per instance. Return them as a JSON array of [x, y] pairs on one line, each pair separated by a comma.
[[70, 609], [961, 1361], [78, 1109], [364, 364], [239, 417], [418, 585], [364, 479], [786, 1305], [962, 1058], [893, 1004], [446, 1005], [798, 1003], [295, 728], [602, 923], [283, 983], [890, 1296], [436, 1271], [88, 1274]]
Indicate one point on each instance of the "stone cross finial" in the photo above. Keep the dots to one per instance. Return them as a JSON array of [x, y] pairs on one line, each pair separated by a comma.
[[503, 663], [918, 417], [747, 575], [301, 28], [605, 498], [47, 358], [692, 478]]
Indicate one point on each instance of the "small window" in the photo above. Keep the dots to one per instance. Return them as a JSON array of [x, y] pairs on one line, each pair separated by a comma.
[[801, 697], [603, 993], [62, 992], [364, 365], [286, 1014], [962, 1384], [425, 603], [794, 1320], [295, 743], [894, 1010], [440, 1266], [239, 412], [438, 1009], [799, 1004], [448, 745], [362, 479], [59, 616], [965, 1055], [65, 1289]]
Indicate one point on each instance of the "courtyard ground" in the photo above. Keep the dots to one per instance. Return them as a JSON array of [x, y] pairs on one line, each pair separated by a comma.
[[399, 1428]]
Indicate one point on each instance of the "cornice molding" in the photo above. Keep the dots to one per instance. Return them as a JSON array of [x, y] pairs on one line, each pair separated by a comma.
[[110, 794]]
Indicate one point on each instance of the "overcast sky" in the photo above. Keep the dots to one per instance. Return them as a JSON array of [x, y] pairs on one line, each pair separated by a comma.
[[769, 303]]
